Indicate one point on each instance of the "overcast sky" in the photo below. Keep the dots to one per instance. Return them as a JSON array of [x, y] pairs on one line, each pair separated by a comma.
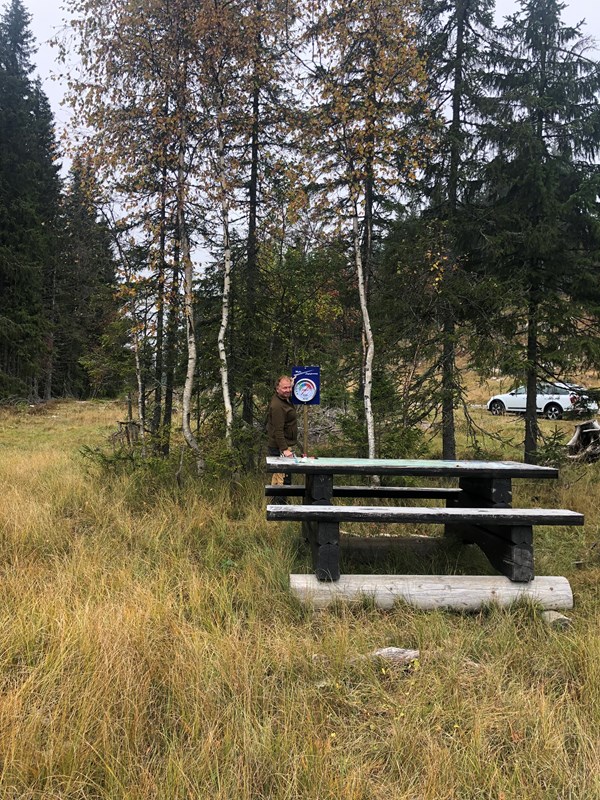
[[48, 16]]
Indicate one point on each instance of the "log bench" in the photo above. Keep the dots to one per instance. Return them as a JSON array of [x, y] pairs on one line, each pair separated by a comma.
[[504, 534]]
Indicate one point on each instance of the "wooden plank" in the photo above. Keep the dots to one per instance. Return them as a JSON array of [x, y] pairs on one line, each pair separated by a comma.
[[413, 514], [509, 549], [467, 532], [458, 592], [387, 492], [327, 563], [375, 547], [279, 491], [396, 466], [399, 492], [323, 539]]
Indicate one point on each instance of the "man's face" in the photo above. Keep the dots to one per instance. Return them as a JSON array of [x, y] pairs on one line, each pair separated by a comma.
[[284, 389]]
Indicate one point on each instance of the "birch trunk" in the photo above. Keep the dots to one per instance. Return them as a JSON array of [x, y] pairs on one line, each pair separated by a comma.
[[188, 306], [449, 386], [159, 377], [224, 367], [368, 335], [171, 353]]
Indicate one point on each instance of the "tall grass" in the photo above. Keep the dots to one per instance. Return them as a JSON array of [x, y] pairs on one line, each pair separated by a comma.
[[149, 648]]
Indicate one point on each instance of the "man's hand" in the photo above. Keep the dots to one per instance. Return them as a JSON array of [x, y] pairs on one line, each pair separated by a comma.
[[287, 453]]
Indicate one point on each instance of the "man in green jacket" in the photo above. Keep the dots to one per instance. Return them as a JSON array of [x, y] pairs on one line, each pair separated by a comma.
[[282, 425]]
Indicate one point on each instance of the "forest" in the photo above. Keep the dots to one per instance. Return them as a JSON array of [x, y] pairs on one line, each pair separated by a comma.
[[396, 191], [404, 194]]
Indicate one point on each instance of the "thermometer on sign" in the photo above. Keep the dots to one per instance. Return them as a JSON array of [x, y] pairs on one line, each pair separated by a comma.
[[304, 390]]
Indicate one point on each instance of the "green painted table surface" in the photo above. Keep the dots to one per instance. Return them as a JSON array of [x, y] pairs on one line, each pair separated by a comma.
[[408, 466]]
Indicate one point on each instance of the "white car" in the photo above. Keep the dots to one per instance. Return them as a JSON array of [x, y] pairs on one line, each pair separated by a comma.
[[553, 400]]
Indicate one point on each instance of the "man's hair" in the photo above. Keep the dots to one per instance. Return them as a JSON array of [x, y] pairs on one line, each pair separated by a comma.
[[283, 378]]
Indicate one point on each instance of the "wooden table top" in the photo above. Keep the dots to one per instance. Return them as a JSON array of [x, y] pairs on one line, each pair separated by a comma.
[[404, 466]]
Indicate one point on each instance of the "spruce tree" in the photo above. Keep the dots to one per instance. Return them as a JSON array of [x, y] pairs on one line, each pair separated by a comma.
[[29, 194], [86, 307], [455, 40], [539, 197]]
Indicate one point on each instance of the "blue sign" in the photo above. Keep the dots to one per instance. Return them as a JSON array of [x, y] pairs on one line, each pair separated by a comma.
[[307, 386]]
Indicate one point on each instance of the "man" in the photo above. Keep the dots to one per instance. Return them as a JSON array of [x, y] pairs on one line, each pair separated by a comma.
[[282, 425]]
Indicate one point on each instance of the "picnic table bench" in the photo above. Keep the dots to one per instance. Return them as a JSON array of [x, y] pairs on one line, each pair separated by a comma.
[[479, 510]]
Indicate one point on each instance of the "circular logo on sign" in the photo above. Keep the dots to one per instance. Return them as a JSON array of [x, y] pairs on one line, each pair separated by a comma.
[[304, 390]]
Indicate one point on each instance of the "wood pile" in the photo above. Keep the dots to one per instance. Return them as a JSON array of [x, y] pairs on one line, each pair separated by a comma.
[[584, 446], [323, 423], [127, 436]]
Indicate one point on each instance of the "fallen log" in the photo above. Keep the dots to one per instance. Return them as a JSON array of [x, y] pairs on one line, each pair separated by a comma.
[[457, 592]]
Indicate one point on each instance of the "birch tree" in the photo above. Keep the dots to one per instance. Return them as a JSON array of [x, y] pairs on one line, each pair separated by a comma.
[[241, 68], [132, 96], [365, 80], [222, 50]]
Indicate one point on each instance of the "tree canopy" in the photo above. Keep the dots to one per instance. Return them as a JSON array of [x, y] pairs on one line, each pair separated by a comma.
[[387, 189]]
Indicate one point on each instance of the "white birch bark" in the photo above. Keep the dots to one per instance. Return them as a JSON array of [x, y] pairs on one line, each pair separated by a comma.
[[188, 307], [224, 367], [367, 332]]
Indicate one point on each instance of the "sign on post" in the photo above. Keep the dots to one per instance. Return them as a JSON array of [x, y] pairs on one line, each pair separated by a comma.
[[307, 386], [306, 392]]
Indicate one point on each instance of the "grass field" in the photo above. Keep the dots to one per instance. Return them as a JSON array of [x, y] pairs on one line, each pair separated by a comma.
[[149, 648]]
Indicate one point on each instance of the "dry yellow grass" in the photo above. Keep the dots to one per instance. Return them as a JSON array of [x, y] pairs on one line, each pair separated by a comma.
[[149, 649]]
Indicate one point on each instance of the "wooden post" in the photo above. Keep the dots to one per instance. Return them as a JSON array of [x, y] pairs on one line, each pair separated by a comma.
[[323, 536], [305, 448]]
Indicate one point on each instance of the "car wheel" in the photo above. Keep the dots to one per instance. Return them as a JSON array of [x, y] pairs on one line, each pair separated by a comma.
[[497, 408], [553, 411]]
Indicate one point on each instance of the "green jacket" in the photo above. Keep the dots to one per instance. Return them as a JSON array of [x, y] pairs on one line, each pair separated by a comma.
[[282, 424]]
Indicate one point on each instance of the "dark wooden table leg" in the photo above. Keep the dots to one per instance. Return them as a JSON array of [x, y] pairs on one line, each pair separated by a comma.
[[486, 492], [509, 549], [323, 537]]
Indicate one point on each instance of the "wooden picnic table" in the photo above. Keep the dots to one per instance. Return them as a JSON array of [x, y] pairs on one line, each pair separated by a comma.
[[483, 486], [407, 466]]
